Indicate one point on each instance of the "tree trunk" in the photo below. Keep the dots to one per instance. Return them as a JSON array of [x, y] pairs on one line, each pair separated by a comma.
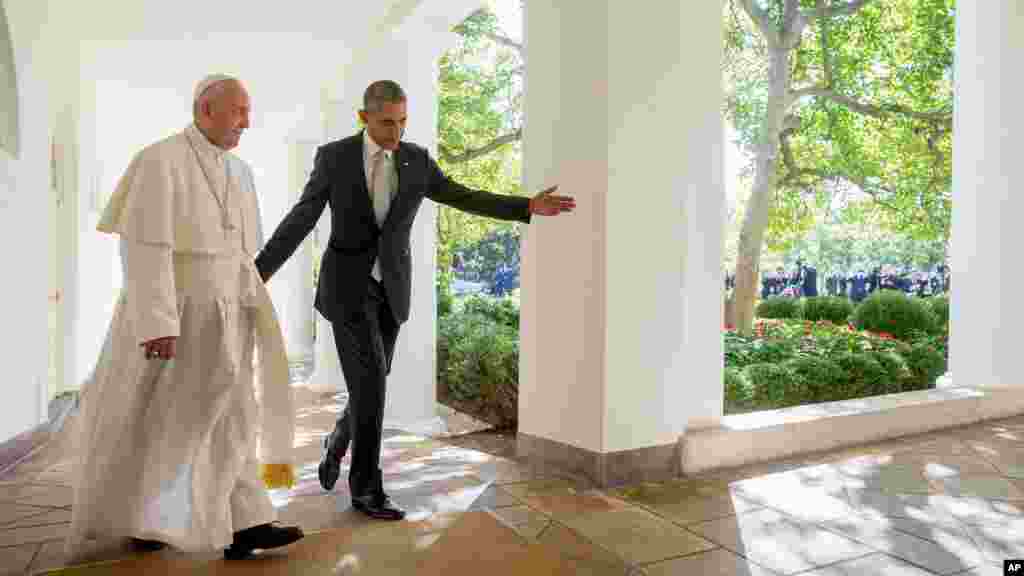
[[755, 219]]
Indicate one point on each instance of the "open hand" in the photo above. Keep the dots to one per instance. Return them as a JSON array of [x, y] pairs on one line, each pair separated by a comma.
[[162, 348], [547, 204]]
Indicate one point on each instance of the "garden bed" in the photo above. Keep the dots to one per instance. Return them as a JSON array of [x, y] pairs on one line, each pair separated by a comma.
[[789, 362]]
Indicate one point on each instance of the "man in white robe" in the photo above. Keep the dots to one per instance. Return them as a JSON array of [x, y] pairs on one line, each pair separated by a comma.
[[169, 420]]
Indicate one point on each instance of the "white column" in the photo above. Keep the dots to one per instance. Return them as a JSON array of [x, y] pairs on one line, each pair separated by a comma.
[[327, 376], [297, 273], [985, 310], [621, 304]]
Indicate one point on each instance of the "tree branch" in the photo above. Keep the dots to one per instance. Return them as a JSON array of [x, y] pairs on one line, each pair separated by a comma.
[[760, 18], [449, 157], [845, 9], [826, 59], [504, 41], [876, 111], [795, 174]]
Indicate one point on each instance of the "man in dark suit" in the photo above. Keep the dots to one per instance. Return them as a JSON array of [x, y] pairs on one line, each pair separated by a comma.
[[374, 183], [810, 281]]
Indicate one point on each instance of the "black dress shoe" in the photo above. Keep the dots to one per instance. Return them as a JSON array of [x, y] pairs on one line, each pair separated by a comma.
[[378, 506], [330, 462], [262, 537], [140, 545]]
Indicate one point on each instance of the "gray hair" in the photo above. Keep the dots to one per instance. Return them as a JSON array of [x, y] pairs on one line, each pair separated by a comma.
[[212, 92], [380, 92]]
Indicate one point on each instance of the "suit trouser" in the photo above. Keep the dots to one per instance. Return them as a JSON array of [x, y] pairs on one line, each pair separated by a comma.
[[366, 344]]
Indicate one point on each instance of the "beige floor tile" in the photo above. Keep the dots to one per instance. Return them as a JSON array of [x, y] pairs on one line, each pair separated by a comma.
[[495, 497], [562, 498], [686, 502], [809, 497], [33, 534], [979, 510], [985, 570], [42, 518], [51, 556], [533, 528], [14, 560], [924, 508], [637, 536], [11, 512], [582, 555], [987, 487], [771, 539], [719, 562], [1015, 471], [949, 556], [52, 495], [873, 565], [999, 542], [514, 515]]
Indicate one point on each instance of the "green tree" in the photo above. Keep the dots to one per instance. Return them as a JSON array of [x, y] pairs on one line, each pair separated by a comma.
[[839, 97], [479, 126]]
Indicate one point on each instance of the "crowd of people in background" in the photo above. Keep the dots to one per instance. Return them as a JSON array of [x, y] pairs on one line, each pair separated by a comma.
[[803, 280]]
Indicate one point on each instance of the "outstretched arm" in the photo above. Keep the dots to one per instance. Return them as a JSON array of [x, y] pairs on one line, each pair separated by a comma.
[[443, 189], [299, 221]]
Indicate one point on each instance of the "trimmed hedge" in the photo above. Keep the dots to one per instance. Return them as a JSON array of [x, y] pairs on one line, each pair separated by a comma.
[[778, 307], [834, 309], [478, 366], [811, 380], [893, 312], [939, 307]]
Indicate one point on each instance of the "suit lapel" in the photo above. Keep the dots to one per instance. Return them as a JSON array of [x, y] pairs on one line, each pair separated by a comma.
[[364, 191]]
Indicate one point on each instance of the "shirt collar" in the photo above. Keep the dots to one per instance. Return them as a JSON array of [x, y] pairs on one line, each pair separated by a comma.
[[204, 146], [371, 147]]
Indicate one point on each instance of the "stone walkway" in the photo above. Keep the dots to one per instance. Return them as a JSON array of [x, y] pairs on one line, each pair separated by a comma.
[[947, 503]]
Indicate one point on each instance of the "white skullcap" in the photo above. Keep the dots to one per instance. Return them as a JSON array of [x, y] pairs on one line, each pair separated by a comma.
[[210, 80]]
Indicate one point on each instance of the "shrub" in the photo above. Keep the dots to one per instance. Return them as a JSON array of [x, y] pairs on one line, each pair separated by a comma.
[[939, 307], [820, 378], [504, 311], [893, 312], [862, 376], [835, 310], [445, 300], [478, 367], [739, 393], [775, 351], [772, 384], [925, 364], [896, 369], [778, 307]]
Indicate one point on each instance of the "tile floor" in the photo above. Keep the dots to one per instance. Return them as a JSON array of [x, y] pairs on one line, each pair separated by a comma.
[[944, 503]]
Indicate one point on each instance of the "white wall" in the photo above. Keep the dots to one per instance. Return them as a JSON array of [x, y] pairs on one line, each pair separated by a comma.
[[24, 234], [985, 316]]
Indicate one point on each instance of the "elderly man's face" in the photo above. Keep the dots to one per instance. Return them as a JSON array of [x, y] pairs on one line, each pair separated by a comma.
[[227, 115], [387, 126]]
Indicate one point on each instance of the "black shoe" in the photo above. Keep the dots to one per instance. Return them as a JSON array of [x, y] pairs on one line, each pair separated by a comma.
[[140, 545], [378, 506], [330, 462], [262, 537]]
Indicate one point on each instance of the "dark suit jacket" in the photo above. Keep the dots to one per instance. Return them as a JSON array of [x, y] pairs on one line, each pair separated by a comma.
[[339, 179]]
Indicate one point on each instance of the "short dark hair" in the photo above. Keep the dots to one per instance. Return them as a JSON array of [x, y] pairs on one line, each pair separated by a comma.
[[380, 92]]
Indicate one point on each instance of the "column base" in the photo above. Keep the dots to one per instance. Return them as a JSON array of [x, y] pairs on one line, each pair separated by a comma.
[[606, 470]]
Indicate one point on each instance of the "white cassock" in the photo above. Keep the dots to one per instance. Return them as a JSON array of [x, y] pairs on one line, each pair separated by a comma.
[[171, 450]]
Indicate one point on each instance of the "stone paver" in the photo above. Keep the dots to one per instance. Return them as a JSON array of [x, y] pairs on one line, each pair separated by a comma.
[[943, 503]]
